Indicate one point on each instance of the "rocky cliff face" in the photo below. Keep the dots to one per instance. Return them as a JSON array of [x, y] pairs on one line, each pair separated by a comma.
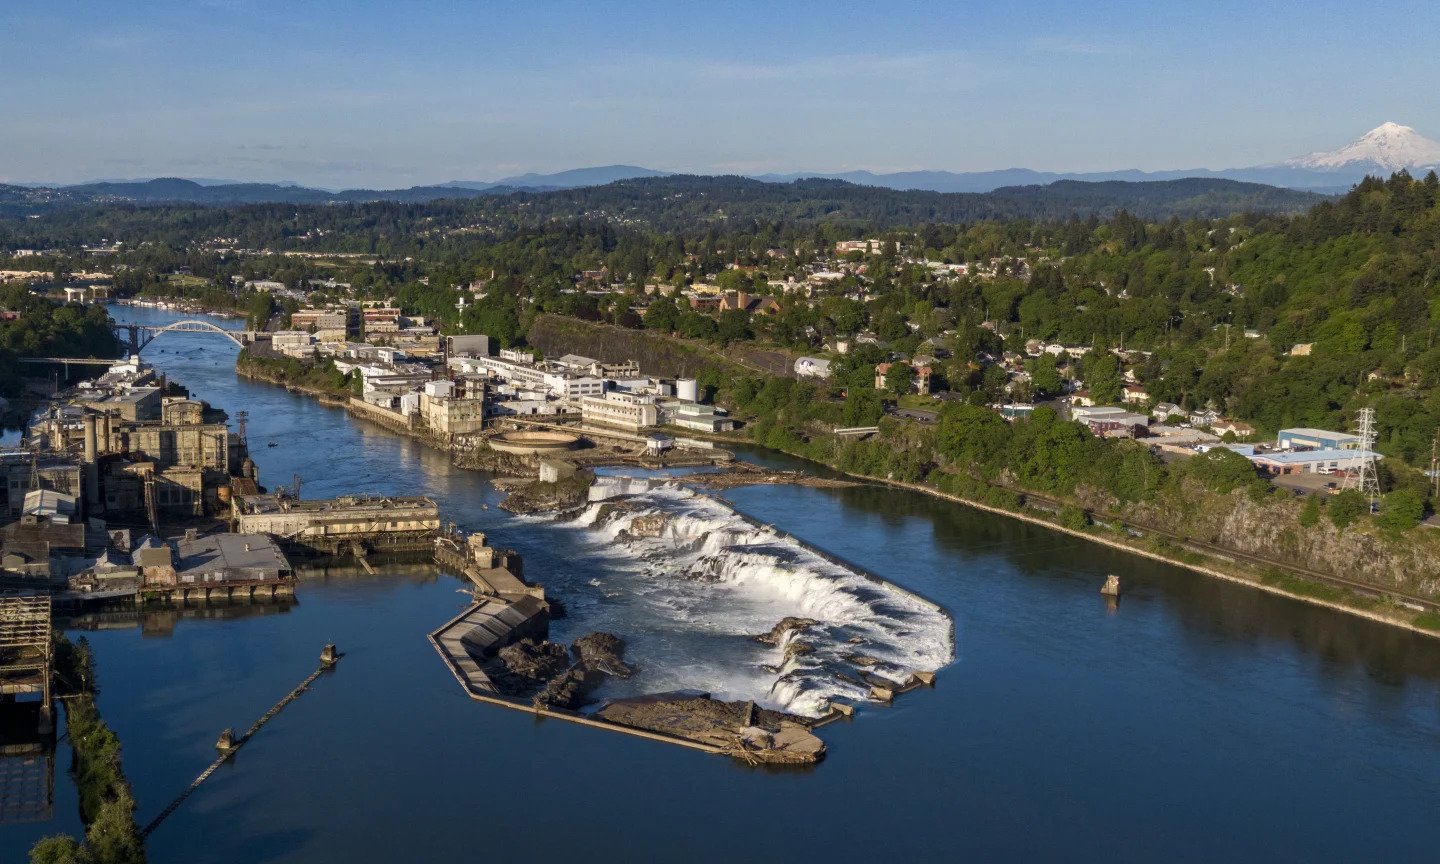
[[483, 458], [657, 355], [539, 496], [1270, 528]]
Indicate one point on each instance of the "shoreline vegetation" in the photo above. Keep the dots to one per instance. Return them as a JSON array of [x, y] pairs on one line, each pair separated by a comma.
[[1148, 543], [1270, 576], [1068, 517], [107, 804], [1272, 581]]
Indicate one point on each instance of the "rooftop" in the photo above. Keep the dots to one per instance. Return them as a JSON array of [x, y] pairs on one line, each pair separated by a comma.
[[343, 504], [1298, 457], [240, 556], [1307, 432]]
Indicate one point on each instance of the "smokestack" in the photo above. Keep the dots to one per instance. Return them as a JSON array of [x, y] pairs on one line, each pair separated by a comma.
[[91, 448], [91, 468]]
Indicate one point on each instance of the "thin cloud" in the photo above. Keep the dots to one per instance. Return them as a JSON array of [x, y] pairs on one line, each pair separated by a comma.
[[832, 67], [121, 39], [1076, 46]]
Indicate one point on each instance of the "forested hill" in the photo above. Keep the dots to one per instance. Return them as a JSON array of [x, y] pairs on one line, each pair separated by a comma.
[[682, 201], [686, 200], [172, 190]]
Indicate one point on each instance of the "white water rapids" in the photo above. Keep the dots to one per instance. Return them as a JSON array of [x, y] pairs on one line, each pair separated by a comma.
[[690, 582]]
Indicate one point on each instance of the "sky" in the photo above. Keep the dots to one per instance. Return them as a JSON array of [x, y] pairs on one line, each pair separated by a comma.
[[392, 94]]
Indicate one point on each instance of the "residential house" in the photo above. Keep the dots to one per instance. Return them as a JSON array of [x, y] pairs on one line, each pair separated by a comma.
[[919, 378], [1135, 394], [1239, 429], [1163, 411], [1205, 417]]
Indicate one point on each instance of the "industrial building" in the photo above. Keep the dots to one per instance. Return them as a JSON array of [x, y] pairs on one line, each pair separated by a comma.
[[621, 410], [691, 415], [1316, 439], [1326, 461], [1108, 422], [347, 523]]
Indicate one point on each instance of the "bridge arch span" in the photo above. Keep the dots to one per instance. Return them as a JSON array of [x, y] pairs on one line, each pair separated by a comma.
[[140, 335]]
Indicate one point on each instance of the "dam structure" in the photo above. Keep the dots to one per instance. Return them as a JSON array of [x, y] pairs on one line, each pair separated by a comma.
[[506, 609]]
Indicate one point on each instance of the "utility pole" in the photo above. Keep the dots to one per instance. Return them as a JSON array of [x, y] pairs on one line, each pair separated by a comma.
[[1435, 466]]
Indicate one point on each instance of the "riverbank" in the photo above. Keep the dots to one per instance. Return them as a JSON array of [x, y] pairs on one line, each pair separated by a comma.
[[470, 451], [1272, 577], [275, 372], [107, 804], [178, 304], [1275, 577]]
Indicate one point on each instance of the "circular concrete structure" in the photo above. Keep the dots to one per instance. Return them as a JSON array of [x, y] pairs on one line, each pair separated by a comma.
[[534, 443]]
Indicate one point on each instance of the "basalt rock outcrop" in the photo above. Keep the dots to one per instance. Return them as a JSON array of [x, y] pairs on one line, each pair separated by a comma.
[[571, 689], [524, 666], [597, 656], [743, 729], [538, 496], [1270, 528], [555, 677], [649, 525], [786, 625], [602, 652]]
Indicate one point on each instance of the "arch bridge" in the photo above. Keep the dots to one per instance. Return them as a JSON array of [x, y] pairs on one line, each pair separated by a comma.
[[137, 336]]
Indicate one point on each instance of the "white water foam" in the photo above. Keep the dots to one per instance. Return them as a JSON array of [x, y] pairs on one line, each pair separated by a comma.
[[702, 565]]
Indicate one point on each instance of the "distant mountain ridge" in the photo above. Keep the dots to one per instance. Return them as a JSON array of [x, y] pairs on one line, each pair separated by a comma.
[[988, 181], [683, 200], [571, 179], [692, 199], [1383, 150], [175, 190]]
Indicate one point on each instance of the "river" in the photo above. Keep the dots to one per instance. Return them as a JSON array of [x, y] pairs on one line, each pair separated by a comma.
[[1200, 721]]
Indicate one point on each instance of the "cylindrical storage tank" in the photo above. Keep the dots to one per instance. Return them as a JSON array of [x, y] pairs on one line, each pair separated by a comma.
[[687, 389]]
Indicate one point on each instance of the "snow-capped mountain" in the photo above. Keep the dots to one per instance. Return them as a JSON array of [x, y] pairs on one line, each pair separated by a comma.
[[1388, 146]]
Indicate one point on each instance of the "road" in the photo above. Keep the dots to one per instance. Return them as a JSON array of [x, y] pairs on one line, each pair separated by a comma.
[[915, 414]]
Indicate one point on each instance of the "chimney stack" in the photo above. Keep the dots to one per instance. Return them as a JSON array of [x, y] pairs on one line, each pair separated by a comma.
[[91, 447]]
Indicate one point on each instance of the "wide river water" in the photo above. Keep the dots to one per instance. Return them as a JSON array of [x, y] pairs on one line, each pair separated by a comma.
[[1200, 721]]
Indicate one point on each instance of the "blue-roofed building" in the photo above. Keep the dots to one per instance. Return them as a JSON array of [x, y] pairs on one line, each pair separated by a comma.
[[1325, 461], [1316, 439]]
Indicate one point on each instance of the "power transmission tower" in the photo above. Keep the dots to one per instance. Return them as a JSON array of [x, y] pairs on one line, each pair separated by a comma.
[[1364, 478]]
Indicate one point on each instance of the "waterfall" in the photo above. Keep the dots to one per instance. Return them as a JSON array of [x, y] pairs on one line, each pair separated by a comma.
[[711, 572]]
